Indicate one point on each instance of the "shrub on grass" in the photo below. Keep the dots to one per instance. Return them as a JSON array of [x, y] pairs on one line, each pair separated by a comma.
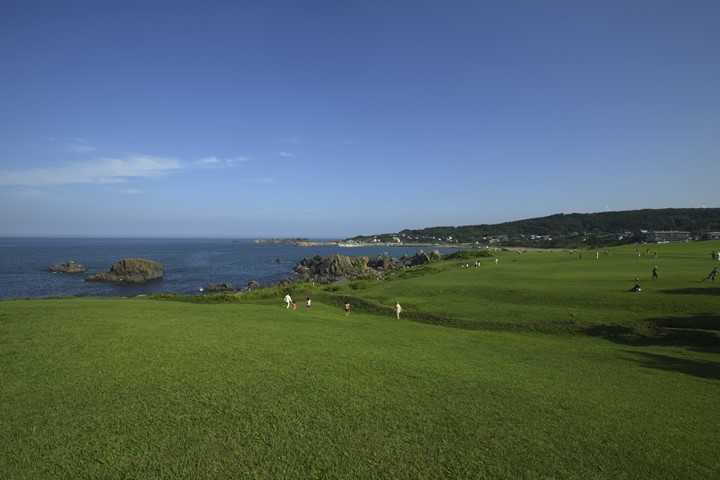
[[212, 298], [468, 255], [363, 282], [412, 272]]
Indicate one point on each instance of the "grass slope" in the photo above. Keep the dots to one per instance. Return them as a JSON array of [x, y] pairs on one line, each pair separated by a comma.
[[134, 388], [557, 289]]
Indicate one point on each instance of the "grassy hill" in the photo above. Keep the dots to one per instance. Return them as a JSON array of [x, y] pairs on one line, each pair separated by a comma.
[[541, 365], [572, 229]]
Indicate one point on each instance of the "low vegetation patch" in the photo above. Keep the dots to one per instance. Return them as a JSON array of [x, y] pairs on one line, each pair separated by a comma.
[[468, 255]]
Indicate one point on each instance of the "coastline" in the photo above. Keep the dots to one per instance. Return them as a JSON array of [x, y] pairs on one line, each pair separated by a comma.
[[298, 242], [189, 264], [304, 242]]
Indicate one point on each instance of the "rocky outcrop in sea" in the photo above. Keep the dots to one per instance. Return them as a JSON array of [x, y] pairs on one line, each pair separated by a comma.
[[218, 288], [130, 270], [68, 267]]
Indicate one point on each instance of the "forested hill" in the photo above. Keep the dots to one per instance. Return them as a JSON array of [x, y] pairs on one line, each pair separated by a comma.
[[632, 222]]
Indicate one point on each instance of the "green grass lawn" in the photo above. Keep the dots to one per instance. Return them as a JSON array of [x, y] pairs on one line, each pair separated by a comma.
[[557, 288], [136, 388]]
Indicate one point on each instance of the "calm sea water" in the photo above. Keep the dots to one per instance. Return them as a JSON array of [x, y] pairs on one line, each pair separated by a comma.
[[189, 264]]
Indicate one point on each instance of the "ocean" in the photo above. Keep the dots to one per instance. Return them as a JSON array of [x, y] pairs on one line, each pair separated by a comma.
[[189, 264]]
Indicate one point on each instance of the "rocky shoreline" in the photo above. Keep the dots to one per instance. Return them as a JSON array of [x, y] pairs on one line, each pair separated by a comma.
[[317, 270], [337, 268], [340, 268]]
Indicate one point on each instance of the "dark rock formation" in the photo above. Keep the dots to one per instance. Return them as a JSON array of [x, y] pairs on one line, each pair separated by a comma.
[[252, 285], [331, 269], [68, 267], [130, 270], [219, 288], [338, 268], [420, 258]]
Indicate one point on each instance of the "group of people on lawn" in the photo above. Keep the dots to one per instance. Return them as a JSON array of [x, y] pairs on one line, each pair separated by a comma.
[[289, 302]]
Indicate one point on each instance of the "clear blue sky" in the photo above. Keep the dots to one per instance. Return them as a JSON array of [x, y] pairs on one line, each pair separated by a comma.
[[328, 119]]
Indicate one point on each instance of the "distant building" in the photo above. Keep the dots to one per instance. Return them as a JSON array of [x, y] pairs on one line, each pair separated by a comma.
[[667, 236], [711, 236]]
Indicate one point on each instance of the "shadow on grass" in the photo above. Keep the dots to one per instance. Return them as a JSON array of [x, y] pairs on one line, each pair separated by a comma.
[[696, 368], [368, 306], [694, 291], [676, 337], [697, 322]]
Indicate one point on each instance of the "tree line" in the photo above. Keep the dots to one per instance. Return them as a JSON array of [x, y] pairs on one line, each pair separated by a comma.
[[572, 229]]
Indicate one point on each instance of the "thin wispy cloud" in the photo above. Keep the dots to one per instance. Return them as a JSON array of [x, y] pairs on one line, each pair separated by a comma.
[[209, 161], [131, 191], [222, 162], [102, 171], [287, 154], [80, 146]]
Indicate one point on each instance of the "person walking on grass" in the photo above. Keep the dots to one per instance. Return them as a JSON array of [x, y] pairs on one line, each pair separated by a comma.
[[398, 310], [308, 302], [287, 300], [655, 274], [712, 274], [347, 308]]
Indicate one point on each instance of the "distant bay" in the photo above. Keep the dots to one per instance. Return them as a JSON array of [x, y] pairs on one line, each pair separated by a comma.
[[189, 264]]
